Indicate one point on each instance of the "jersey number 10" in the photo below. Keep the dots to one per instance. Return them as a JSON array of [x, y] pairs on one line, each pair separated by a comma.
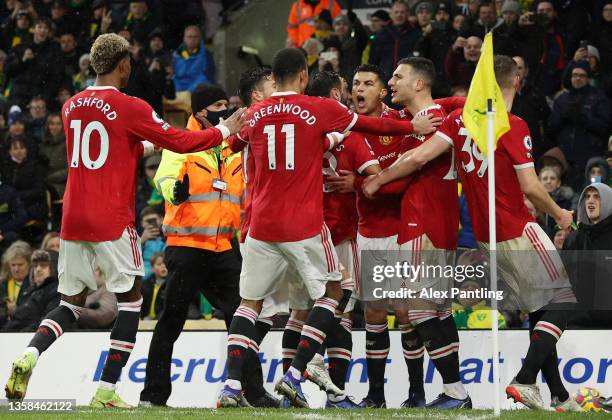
[[80, 144], [289, 131]]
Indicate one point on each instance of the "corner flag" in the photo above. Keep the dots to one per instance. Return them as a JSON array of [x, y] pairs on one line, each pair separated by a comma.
[[484, 87]]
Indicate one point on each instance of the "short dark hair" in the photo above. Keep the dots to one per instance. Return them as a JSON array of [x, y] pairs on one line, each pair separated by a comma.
[[424, 67], [505, 70], [323, 83], [148, 210], [288, 63], [251, 80], [373, 68]]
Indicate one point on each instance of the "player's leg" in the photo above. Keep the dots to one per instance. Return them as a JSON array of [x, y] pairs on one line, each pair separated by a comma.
[[263, 266], [76, 276], [317, 263], [121, 263], [184, 276], [414, 351]]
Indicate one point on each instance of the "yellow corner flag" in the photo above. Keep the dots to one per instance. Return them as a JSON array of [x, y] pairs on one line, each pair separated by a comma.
[[485, 87]]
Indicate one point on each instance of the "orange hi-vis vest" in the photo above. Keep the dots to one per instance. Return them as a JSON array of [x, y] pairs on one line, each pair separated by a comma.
[[302, 17], [210, 217]]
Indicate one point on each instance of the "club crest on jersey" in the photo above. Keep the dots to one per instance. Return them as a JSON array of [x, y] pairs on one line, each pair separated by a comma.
[[385, 140], [160, 120]]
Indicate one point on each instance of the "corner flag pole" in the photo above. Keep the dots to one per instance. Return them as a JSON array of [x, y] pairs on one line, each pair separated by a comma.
[[493, 249]]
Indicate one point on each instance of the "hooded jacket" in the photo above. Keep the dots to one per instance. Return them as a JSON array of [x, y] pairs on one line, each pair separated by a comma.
[[589, 265]]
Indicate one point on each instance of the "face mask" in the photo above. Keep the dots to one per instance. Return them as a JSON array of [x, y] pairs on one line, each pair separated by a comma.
[[215, 116], [595, 179]]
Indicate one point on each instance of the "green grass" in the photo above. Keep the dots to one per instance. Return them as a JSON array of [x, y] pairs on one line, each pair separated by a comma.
[[256, 414]]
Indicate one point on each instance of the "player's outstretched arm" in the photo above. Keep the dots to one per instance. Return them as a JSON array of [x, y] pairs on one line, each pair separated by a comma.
[[390, 127], [407, 164], [535, 192]]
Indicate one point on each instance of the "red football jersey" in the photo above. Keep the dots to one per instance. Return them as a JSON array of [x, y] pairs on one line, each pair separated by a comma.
[[286, 133], [513, 152], [379, 217], [248, 166], [340, 209], [430, 203], [104, 130]]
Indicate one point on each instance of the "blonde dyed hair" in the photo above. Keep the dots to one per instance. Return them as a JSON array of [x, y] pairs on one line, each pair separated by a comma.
[[107, 51]]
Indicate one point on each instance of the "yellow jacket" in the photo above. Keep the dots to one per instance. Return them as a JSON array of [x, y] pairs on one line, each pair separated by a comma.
[[211, 215]]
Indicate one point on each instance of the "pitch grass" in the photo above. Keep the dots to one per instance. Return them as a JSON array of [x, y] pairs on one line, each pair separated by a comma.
[[274, 414]]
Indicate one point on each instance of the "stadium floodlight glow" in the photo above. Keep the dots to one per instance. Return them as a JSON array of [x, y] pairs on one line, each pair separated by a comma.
[[249, 50]]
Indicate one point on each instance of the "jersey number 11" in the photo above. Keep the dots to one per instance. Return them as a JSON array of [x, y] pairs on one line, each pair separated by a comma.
[[289, 131]]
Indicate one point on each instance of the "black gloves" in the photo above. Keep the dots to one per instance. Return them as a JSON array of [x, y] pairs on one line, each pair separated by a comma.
[[181, 190]]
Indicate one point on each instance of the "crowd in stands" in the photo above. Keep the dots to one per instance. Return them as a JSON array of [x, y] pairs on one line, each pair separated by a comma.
[[563, 49]]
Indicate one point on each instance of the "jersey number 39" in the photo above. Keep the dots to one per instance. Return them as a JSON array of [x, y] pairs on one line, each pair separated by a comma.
[[80, 144]]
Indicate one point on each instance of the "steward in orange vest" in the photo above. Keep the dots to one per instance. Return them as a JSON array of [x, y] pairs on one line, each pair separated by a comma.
[[302, 17]]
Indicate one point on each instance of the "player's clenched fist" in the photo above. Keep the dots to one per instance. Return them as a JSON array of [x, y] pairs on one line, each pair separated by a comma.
[[425, 124], [565, 219], [371, 185]]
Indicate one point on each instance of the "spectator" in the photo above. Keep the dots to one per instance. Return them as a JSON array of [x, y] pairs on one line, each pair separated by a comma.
[[596, 170], [99, 23], [27, 177], [62, 19], [543, 46], [152, 239], [86, 77], [312, 47], [424, 14], [17, 29], [100, 308], [378, 20], [487, 21], [580, 122], [323, 26], [70, 56], [12, 216], [461, 60], [353, 39], [146, 193], [394, 41], [192, 63], [599, 80], [587, 263], [139, 21], [559, 237], [330, 58], [505, 36], [159, 67], [63, 94], [40, 297], [37, 119], [601, 38], [51, 242], [531, 106], [14, 274], [2, 72], [16, 127], [52, 151], [302, 16], [34, 68], [435, 43], [235, 102], [563, 195], [153, 288]]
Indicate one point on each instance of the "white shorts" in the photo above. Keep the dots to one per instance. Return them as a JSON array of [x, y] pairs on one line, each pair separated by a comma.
[[290, 293], [120, 262], [531, 267], [348, 257], [373, 251], [265, 264], [421, 252]]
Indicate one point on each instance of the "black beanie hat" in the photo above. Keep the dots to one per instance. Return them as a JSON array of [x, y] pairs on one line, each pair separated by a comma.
[[204, 95]]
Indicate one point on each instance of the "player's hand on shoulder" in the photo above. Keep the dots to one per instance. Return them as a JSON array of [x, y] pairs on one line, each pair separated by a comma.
[[181, 190], [370, 186], [236, 121], [425, 124], [343, 182]]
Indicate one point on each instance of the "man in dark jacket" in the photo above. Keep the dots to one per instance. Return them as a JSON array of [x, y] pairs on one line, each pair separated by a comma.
[[13, 216], [395, 41], [588, 262], [580, 121], [40, 298], [35, 68]]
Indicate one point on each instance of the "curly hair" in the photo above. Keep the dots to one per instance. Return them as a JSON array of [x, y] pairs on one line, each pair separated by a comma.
[[107, 51]]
